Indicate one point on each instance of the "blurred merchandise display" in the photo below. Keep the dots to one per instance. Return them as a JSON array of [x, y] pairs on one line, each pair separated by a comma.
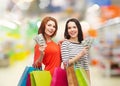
[[32, 28], [109, 47], [101, 3], [14, 44], [4, 60], [92, 32], [110, 12]]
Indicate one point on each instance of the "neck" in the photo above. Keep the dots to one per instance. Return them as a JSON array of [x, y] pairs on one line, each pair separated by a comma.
[[48, 38], [75, 40]]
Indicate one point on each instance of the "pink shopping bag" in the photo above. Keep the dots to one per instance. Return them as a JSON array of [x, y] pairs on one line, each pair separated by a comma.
[[59, 77]]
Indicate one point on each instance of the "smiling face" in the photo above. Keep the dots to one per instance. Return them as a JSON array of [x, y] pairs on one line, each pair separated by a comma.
[[72, 30], [50, 28]]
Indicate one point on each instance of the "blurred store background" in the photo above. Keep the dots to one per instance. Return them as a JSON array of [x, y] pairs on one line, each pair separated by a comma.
[[19, 22]]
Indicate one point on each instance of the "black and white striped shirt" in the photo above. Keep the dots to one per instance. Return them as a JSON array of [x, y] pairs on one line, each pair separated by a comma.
[[70, 50]]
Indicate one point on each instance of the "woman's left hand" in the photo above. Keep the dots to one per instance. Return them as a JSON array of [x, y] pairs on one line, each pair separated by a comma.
[[36, 64], [85, 50]]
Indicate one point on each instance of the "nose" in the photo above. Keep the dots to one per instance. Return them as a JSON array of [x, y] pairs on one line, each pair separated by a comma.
[[52, 27], [72, 28]]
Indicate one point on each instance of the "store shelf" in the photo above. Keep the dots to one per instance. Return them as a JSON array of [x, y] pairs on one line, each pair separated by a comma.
[[110, 66]]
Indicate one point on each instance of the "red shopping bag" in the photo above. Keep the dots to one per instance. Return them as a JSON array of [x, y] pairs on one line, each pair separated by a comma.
[[28, 83], [59, 77]]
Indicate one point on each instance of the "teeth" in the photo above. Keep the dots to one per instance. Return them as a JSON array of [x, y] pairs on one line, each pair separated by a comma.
[[72, 33], [50, 31]]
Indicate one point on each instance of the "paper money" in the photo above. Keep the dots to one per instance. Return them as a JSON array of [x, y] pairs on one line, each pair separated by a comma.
[[87, 42], [40, 39]]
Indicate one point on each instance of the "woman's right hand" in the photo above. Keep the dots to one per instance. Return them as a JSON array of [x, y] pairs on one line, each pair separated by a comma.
[[61, 41], [42, 47]]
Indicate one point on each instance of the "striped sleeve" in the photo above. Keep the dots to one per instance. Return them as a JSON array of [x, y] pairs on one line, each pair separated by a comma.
[[86, 63], [64, 51], [83, 61]]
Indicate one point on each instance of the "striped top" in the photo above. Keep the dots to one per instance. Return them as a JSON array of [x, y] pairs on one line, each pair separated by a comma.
[[70, 50]]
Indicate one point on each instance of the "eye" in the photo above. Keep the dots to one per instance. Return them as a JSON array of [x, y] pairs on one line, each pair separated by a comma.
[[54, 26], [49, 24], [69, 27], [74, 26]]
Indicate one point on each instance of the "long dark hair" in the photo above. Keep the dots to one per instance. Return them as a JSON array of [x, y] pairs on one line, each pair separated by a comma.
[[80, 33], [43, 24]]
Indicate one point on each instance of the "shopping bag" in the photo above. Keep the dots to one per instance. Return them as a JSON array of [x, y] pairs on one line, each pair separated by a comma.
[[28, 82], [40, 78], [23, 79], [71, 76], [59, 77], [82, 77]]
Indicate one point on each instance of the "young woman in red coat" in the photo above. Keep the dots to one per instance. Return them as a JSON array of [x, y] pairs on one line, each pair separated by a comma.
[[48, 54]]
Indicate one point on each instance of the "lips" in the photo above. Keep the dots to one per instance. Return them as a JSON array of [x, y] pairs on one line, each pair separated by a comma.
[[51, 32], [72, 33]]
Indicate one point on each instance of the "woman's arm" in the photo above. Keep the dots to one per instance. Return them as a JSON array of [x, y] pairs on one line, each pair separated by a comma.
[[65, 51], [79, 55], [38, 56]]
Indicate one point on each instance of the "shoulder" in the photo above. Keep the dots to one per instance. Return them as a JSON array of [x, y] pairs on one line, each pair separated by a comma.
[[65, 42]]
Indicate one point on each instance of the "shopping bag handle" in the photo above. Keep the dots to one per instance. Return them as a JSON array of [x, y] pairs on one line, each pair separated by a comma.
[[38, 68]]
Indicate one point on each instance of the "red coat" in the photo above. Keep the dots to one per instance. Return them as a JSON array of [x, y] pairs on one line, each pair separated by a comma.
[[52, 56]]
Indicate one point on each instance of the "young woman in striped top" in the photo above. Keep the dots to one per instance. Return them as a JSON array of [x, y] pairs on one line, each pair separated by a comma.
[[71, 49]]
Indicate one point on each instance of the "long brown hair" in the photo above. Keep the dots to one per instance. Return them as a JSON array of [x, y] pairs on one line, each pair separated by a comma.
[[43, 24]]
